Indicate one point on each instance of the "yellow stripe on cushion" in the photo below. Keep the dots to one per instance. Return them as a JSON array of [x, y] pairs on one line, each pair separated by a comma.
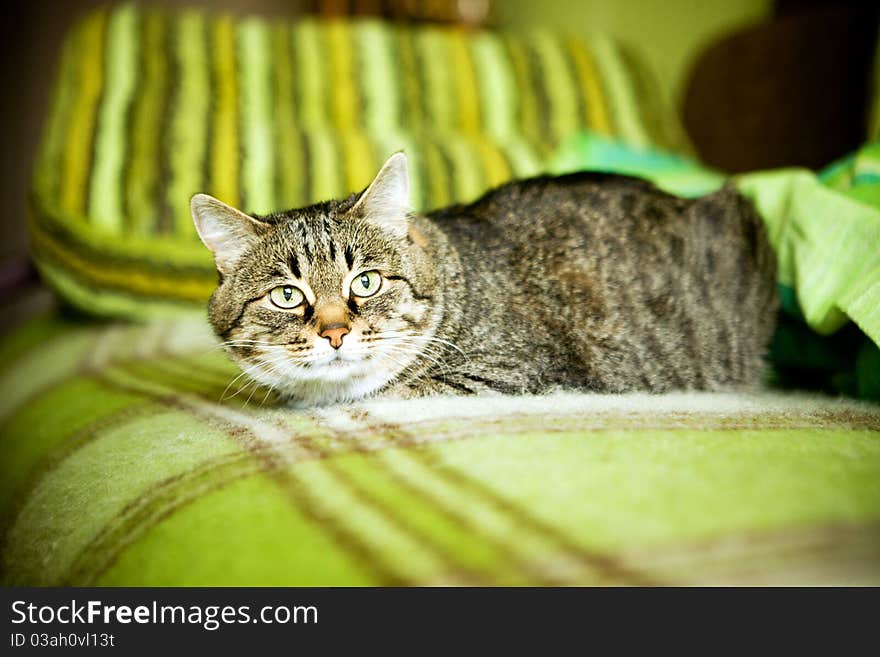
[[105, 198], [143, 168], [48, 170], [408, 67], [258, 165], [378, 84], [432, 47], [594, 99], [465, 82], [524, 158], [91, 300], [360, 163], [169, 284], [560, 87], [189, 122], [437, 174], [225, 156], [469, 176], [527, 116], [288, 147], [312, 74], [78, 148], [495, 166], [345, 105], [326, 176], [629, 126], [496, 85]]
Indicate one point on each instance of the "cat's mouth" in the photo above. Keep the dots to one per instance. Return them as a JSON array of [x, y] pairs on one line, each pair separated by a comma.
[[337, 368], [338, 360]]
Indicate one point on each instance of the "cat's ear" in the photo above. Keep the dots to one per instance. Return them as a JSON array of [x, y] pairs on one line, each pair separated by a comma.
[[227, 232], [385, 202]]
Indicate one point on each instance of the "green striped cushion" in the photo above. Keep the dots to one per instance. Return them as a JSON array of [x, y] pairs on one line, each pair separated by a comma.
[[151, 107]]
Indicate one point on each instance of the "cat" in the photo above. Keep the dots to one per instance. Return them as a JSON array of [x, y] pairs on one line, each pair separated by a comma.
[[588, 281]]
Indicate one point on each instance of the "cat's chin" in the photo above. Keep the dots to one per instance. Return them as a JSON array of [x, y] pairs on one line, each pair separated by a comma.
[[332, 382], [337, 384], [335, 371]]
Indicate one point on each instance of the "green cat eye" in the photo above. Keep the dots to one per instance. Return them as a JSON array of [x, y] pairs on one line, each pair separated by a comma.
[[286, 296], [366, 284]]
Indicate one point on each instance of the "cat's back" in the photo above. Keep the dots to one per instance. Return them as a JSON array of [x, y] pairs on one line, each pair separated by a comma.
[[594, 216], [547, 206], [652, 291]]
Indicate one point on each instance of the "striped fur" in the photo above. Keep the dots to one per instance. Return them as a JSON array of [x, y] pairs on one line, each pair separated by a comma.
[[151, 106]]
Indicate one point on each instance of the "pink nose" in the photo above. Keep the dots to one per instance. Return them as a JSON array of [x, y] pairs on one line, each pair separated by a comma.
[[334, 333]]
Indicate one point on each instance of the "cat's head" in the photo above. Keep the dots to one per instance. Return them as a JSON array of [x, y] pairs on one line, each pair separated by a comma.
[[325, 303]]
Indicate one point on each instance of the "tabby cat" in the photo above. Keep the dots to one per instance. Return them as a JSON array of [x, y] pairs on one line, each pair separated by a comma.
[[590, 281]]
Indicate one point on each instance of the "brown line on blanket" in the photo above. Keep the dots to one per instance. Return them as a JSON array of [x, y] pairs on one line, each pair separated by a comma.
[[65, 447], [457, 572], [818, 555], [68, 445], [216, 380], [144, 513], [270, 463], [822, 418], [221, 383], [605, 564], [313, 451], [86, 435], [539, 574]]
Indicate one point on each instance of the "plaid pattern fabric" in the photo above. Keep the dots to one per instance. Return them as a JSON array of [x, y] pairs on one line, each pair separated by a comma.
[[153, 106], [132, 455]]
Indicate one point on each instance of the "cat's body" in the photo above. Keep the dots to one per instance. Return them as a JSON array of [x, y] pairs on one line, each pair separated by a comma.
[[588, 281]]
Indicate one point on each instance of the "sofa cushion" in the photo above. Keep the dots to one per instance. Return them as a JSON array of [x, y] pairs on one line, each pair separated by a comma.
[[152, 106]]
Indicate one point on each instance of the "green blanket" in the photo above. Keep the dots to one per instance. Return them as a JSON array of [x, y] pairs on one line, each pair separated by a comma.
[[132, 455]]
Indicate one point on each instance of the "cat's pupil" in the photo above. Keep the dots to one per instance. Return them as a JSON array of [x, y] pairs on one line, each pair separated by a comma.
[[365, 281], [288, 292]]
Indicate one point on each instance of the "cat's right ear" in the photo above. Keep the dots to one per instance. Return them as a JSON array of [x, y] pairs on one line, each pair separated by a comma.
[[227, 232], [385, 203]]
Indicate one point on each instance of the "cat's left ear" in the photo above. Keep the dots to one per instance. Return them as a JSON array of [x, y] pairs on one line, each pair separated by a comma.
[[227, 232], [385, 202]]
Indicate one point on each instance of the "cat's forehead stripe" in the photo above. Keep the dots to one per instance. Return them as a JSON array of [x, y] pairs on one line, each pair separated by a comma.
[[304, 240]]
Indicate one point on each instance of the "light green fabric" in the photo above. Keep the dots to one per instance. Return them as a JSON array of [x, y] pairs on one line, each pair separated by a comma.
[[828, 248], [671, 172]]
